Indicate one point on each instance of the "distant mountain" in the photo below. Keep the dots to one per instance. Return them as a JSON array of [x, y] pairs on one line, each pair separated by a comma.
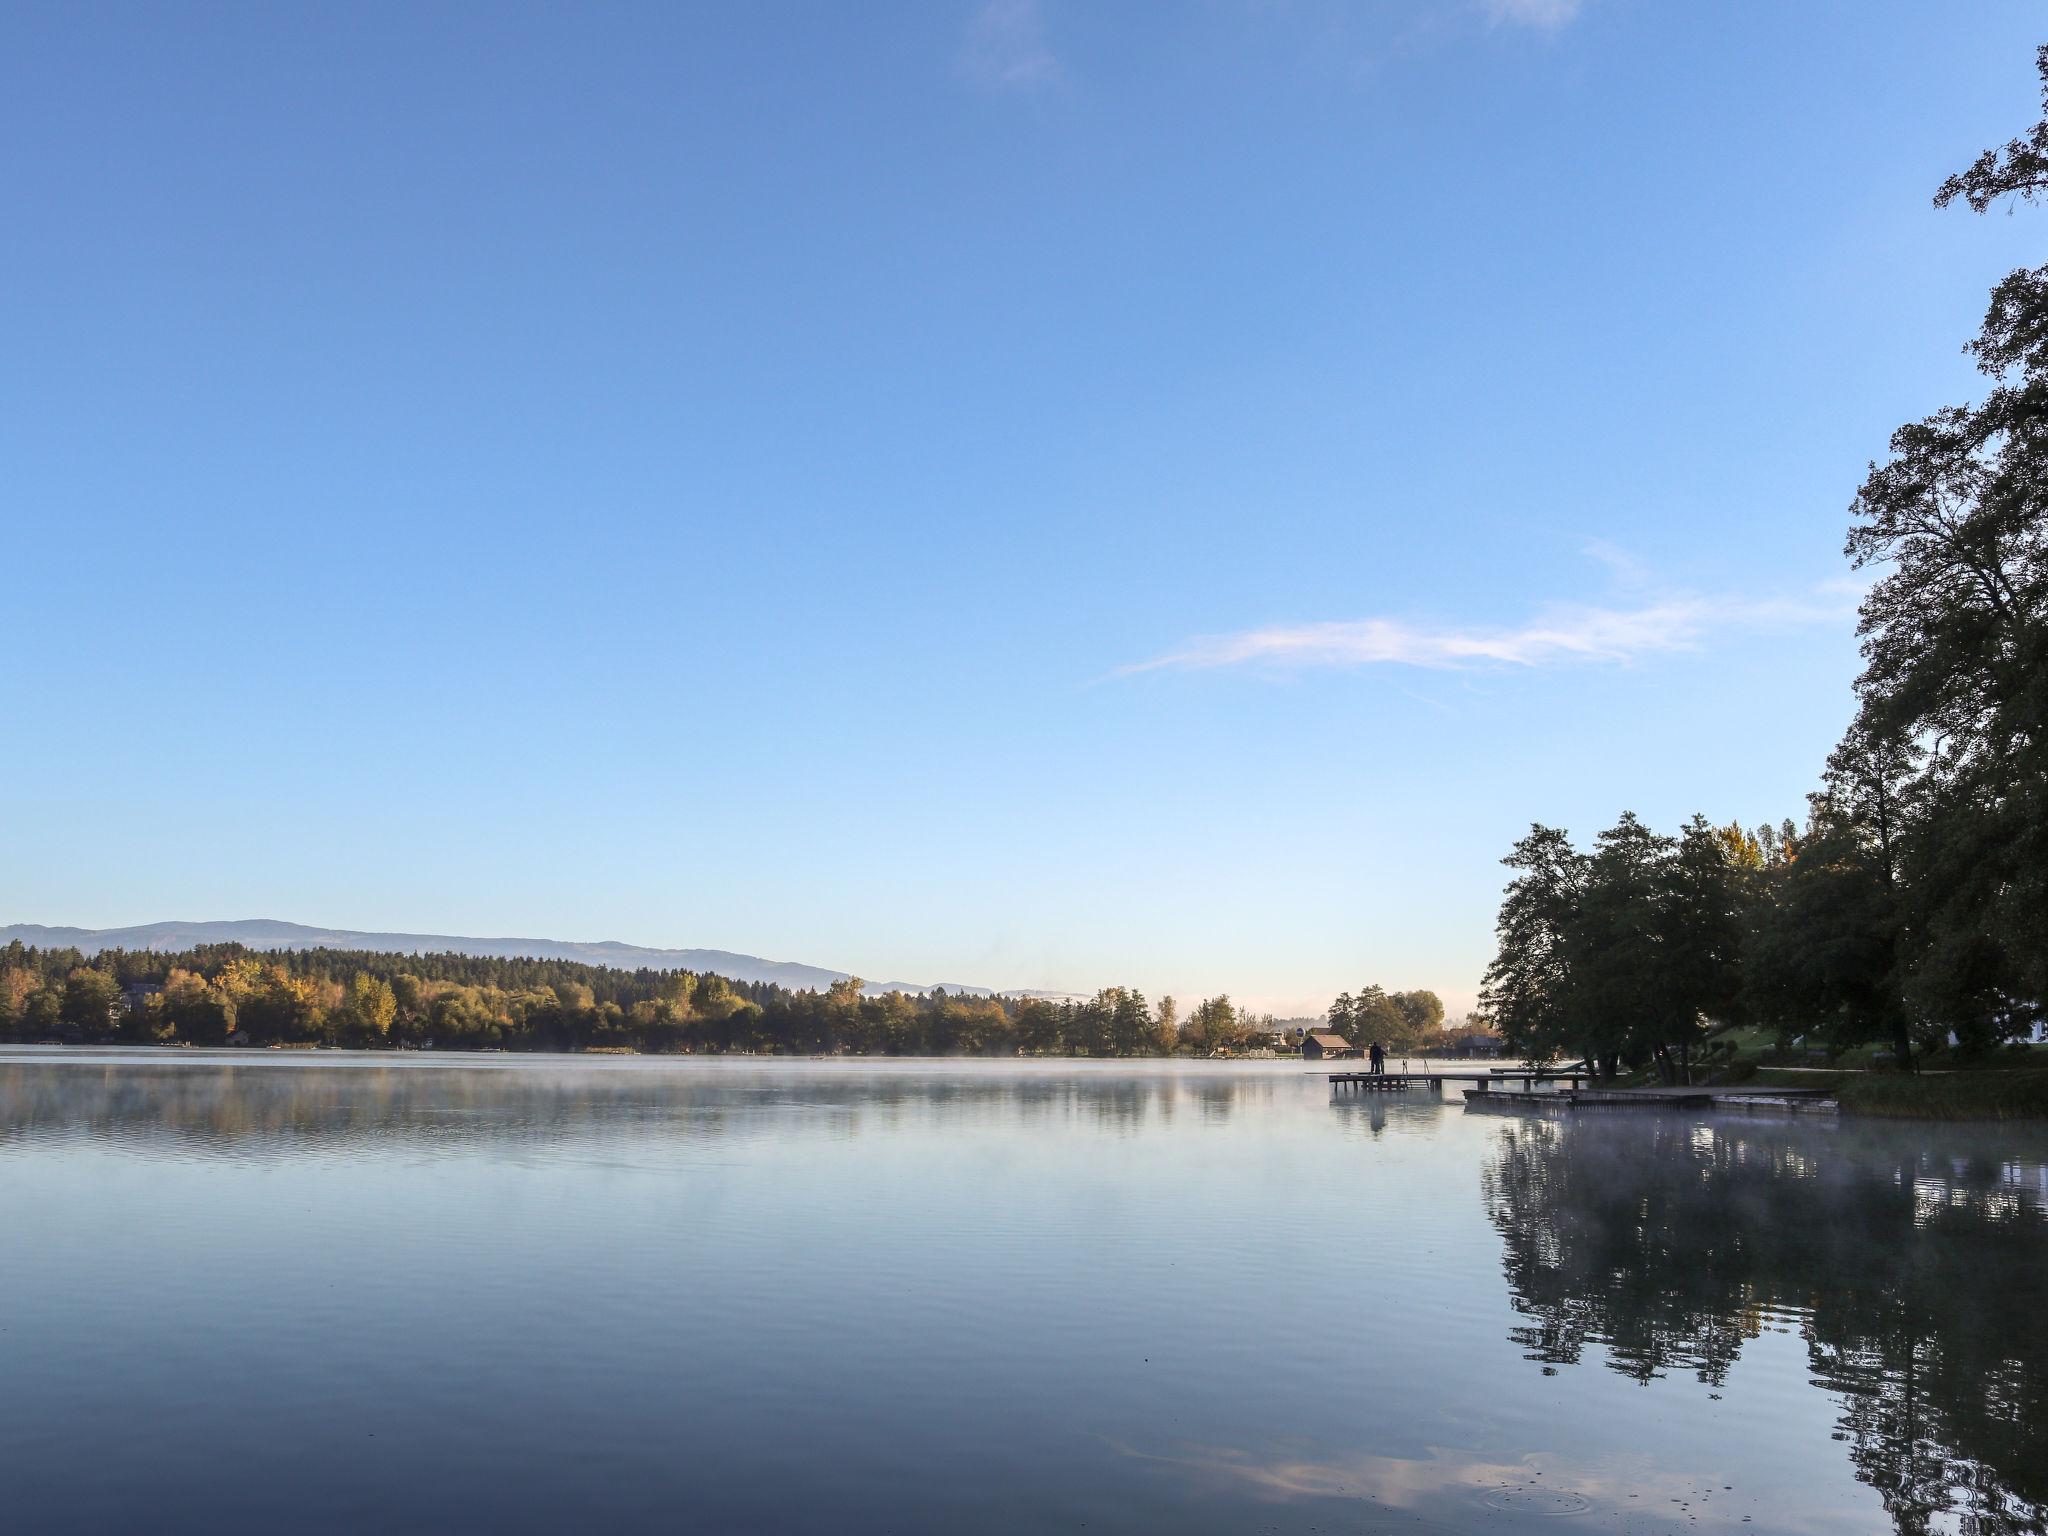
[[268, 933]]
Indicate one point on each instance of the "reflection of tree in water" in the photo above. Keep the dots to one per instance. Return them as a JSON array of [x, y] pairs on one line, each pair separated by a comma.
[[1913, 1259], [238, 1107]]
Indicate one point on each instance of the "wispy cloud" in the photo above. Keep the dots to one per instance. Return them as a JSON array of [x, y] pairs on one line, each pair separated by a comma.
[[1628, 572], [1446, 1479], [1006, 47], [1547, 15], [1564, 634]]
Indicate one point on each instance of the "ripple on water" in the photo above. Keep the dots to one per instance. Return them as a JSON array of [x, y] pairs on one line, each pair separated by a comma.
[[1534, 1499]]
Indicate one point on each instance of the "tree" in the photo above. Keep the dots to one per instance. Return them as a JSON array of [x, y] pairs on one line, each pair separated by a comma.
[[1623, 955], [1211, 1027], [1626, 995], [1340, 1014], [1376, 1017], [1422, 1015], [90, 999], [1703, 938], [1038, 1027], [1953, 697], [1130, 1022], [1166, 1025], [195, 1010], [17, 983], [42, 1014], [1823, 952], [408, 991], [1529, 987], [370, 1007], [214, 994]]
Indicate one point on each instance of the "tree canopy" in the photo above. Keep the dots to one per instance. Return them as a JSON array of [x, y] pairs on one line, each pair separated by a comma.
[[226, 994], [1914, 901]]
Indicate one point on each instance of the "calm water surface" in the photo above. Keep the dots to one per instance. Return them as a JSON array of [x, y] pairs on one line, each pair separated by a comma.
[[327, 1293]]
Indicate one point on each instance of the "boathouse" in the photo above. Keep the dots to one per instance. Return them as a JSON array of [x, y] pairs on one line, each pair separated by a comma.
[[1321, 1045]]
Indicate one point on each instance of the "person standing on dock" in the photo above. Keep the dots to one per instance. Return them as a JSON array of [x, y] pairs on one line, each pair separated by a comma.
[[1379, 1057]]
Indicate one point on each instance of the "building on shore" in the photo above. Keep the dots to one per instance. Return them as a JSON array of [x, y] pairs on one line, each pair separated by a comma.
[[1321, 1045]]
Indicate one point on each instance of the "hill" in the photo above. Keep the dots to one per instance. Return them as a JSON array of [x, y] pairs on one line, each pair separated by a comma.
[[270, 933]]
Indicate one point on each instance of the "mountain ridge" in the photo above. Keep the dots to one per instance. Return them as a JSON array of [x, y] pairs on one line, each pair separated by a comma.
[[275, 933]]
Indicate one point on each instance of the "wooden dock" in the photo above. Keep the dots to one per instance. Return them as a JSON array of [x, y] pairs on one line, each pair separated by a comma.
[[1687, 1098], [1399, 1082]]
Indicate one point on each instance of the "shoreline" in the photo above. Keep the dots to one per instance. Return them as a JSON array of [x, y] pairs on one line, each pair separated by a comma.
[[1983, 1096]]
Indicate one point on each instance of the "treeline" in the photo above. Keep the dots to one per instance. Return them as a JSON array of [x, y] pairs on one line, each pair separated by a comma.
[[226, 994], [1913, 901], [1630, 952]]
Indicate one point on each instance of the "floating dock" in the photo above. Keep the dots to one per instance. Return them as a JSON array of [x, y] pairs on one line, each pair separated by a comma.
[[1494, 1090], [1397, 1082], [1572, 1100]]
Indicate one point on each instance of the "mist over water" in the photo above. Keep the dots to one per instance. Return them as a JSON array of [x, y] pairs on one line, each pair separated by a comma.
[[252, 1293]]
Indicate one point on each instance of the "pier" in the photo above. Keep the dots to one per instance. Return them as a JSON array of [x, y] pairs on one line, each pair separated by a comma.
[[1398, 1082], [1692, 1098], [1494, 1090]]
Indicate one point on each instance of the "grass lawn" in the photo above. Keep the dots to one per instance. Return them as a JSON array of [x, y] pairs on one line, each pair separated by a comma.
[[1979, 1095], [2008, 1083]]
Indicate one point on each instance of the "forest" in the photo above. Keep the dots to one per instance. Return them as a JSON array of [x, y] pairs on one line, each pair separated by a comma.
[[228, 995], [1909, 906]]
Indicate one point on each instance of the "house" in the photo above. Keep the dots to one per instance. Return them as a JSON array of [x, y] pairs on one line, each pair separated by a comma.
[[1321, 1045]]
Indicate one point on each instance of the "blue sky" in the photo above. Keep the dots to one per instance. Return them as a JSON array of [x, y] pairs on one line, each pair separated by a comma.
[[1030, 493]]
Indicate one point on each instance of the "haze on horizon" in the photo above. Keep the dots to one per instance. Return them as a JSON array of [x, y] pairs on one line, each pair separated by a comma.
[[1013, 491]]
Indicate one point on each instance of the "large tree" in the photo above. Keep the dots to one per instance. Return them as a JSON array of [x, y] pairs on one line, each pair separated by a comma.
[[1822, 953], [1528, 990], [1422, 1015], [1625, 989], [1954, 690], [1623, 955], [1703, 910]]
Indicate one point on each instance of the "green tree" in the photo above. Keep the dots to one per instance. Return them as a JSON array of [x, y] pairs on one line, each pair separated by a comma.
[[1704, 913], [43, 1014], [1625, 994], [1530, 987], [1340, 1014], [278, 1006], [1422, 1016], [1954, 689], [1038, 1027], [91, 998], [1130, 1023], [1212, 1026], [1823, 953], [195, 1010], [1376, 1017]]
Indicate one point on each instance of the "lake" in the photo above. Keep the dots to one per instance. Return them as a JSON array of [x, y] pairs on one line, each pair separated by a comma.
[[323, 1292]]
